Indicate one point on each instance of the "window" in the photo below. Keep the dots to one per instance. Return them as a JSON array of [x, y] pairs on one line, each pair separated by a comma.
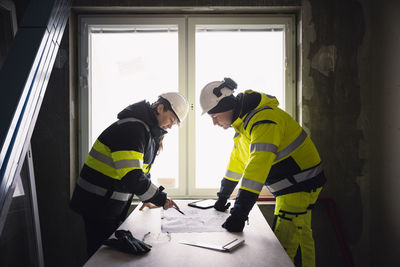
[[126, 59]]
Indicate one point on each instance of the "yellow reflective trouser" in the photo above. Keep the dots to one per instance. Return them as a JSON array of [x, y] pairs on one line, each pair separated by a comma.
[[293, 224]]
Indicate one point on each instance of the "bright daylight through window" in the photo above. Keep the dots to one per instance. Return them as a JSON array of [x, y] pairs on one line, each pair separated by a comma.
[[128, 60], [130, 67], [252, 57]]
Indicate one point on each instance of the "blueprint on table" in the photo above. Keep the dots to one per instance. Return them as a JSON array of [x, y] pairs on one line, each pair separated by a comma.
[[194, 220]]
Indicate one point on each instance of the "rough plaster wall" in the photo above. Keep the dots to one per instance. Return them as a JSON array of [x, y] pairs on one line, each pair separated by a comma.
[[368, 145], [385, 84], [337, 113], [390, 87], [332, 34]]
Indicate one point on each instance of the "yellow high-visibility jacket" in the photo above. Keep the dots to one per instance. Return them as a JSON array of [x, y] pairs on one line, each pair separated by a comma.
[[118, 165], [270, 148]]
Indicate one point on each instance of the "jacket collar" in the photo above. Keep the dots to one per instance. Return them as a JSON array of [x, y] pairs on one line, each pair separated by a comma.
[[143, 111], [245, 102]]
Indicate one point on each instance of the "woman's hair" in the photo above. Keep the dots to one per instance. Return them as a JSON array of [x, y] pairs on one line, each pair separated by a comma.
[[167, 106], [165, 102]]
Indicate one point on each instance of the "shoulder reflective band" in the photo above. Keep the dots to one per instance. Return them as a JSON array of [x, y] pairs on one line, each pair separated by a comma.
[[128, 163], [251, 114], [101, 157], [120, 164], [273, 148], [234, 176], [151, 191], [98, 190], [134, 120], [251, 184], [267, 147], [300, 177], [292, 146]]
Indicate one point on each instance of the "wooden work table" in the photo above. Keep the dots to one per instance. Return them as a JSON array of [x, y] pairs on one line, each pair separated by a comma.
[[261, 247]]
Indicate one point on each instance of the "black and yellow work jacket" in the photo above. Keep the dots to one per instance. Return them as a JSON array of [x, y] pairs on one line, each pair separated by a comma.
[[118, 165], [271, 149]]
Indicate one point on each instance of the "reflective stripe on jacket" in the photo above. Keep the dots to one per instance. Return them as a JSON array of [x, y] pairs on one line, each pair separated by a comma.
[[115, 164], [271, 148], [118, 165]]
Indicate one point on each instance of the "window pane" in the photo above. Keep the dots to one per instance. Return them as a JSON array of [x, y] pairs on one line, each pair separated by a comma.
[[254, 58], [128, 67]]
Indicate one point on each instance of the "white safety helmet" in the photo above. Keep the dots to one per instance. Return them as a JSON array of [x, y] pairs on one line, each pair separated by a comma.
[[179, 104], [213, 92]]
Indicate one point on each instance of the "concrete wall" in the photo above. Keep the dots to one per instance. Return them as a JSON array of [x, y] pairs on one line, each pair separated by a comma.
[[381, 80], [351, 52], [350, 90], [332, 34]]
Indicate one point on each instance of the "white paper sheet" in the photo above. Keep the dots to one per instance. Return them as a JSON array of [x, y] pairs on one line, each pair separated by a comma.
[[194, 220]]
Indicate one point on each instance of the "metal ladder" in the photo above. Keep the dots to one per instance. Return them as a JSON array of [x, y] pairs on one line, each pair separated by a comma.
[[23, 81]]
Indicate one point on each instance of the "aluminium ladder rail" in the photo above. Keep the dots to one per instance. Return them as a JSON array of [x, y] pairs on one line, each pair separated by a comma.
[[23, 81]]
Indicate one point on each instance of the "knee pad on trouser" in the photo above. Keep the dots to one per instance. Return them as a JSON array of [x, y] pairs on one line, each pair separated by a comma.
[[307, 244], [294, 231], [293, 224], [288, 235]]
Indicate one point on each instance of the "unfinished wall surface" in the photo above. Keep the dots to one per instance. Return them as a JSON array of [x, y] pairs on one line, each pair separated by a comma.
[[350, 103], [384, 85], [350, 93], [333, 32]]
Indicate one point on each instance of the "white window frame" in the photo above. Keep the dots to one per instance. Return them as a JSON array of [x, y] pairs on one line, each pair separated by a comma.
[[87, 23], [186, 30], [286, 21]]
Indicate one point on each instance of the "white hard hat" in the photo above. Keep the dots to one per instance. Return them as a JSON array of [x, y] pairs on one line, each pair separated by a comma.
[[178, 103], [213, 92]]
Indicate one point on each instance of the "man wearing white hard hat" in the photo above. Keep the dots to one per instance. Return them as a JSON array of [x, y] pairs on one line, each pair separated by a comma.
[[118, 166], [270, 149]]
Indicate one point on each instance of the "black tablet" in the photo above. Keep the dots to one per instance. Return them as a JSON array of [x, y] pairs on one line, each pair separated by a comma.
[[203, 204]]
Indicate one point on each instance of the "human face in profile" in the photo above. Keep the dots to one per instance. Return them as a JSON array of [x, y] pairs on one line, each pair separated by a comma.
[[166, 119], [222, 119]]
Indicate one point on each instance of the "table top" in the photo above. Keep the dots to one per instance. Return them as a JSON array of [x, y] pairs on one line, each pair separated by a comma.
[[261, 247]]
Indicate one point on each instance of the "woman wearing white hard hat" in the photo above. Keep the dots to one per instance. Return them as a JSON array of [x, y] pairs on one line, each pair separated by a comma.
[[118, 166]]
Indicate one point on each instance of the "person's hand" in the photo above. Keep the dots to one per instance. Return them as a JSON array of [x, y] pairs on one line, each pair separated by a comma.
[[234, 224], [221, 205], [148, 205], [169, 203]]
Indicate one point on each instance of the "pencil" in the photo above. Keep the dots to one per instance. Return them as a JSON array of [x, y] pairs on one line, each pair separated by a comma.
[[179, 211]]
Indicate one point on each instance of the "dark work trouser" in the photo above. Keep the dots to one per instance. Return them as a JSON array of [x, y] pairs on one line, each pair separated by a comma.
[[98, 230]]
